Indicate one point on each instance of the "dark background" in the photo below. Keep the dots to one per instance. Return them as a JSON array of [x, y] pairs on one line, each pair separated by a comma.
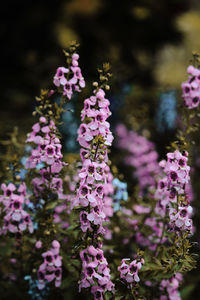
[[33, 34]]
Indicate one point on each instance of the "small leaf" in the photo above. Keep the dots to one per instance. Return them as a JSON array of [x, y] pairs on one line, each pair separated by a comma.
[[51, 205], [186, 291]]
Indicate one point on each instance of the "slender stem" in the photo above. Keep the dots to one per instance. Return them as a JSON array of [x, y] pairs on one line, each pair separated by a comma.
[[96, 151], [177, 202], [133, 295], [163, 231], [183, 246], [62, 102]]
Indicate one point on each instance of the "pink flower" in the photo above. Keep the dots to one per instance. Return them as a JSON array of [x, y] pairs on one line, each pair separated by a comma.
[[55, 244], [38, 244], [59, 78], [74, 80], [191, 88], [16, 219], [129, 272], [95, 267], [8, 190], [48, 257], [51, 269]]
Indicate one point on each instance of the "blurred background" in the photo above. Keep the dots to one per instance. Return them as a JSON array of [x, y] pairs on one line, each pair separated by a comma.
[[147, 42]]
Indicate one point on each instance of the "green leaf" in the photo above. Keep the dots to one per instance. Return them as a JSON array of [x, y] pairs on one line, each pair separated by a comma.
[[51, 205], [186, 291], [73, 227]]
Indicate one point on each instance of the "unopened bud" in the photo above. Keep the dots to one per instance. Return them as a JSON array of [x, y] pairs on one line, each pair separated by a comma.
[[95, 83]]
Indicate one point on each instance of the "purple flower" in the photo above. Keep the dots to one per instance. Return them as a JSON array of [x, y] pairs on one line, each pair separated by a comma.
[[191, 88], [51, 269], [129, 272], [95, 270], [74, 80]]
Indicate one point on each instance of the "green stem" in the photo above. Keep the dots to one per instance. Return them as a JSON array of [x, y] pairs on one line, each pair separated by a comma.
[[183, 246], [96, 151], [162, 235], [177, 202], [62, 102], [133, 295]]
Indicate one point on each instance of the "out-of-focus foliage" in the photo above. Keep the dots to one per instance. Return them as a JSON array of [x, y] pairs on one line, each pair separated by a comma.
[[128, 34], [172, 59]]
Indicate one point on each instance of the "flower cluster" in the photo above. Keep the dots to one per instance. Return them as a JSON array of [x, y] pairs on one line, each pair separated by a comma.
[[48, 148], [155, 237], [143, 157], [46, 154], [191, 88], [169, 288], [129, 271], [171, 191], [181, 220], [95, 272], [70, 79], [177, 170], [51, 268], [94, 136], [14, 199]]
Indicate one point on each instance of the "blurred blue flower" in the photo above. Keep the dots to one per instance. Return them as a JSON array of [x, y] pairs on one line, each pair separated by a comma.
[[166, 111], [120, 193], [24, 160], [28, 148], [22, 174], [69, 129], [40, 166], [34, 292]]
